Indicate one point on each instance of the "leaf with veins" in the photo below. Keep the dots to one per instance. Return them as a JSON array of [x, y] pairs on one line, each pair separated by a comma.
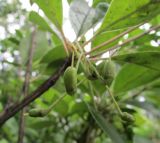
[[82, 16]]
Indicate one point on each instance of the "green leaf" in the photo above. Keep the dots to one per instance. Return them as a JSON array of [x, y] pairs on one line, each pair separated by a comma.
[[40, 123], [1, 107], [51, 96], [149, 59], [61, 108], [56, 40], [52, 9], [152, 95], [54, 54], [101, 9], [82, 16], [42, 46], [108, 128], [3, 141], [78, 108], [103, 37], [132, 76], [43, 25], [37, 19], [127, 13], [54, 58], [53, 66]]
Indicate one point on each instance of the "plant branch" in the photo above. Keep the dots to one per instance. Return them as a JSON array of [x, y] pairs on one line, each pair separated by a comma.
[[65, 43], [127, 41], [16, 107], [114, 101], [114, 38], [25, 90]]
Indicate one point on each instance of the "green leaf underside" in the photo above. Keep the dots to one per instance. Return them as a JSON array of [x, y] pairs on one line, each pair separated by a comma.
[[132, 76], [149, 59], [82, 16], [42, 46]]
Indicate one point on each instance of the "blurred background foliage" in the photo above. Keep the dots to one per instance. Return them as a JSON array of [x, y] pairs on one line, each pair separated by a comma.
[[74, 120]]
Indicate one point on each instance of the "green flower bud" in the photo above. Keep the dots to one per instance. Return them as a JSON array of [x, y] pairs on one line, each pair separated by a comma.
[[127, 117], [107, 71]]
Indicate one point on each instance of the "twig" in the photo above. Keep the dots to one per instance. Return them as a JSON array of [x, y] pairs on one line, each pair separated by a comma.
[[98, 59], [114, 38], [65, 43], [25, 90], [127, 41], [55, 103], [16, 107], [114, 101]]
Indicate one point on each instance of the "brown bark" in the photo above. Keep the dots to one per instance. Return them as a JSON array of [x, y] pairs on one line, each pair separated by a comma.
[[25, 90], [16, 107]]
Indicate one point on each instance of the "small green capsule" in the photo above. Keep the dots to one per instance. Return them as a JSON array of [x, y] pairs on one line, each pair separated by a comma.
[[127, 117], [107, 71], [37, 113], [90, 72], [70, 80]]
